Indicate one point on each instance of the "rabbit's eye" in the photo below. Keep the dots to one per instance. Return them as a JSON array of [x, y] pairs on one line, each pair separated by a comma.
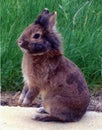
[[36, 36]]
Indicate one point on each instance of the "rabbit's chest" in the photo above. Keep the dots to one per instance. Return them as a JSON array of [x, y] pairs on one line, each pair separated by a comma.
[[34, 75], [28, 76]]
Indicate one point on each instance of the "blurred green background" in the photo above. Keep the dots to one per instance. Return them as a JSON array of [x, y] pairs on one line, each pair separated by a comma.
[[79, 22]]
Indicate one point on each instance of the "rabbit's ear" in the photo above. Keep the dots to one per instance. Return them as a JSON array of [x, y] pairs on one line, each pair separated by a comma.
[[45, 11], [52, 20], [46, 20]]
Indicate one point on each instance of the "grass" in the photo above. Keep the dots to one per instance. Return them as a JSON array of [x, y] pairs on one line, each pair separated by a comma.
[[79, 22]]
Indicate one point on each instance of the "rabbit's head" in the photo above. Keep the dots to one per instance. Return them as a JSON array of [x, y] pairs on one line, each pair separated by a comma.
[[40, 37]]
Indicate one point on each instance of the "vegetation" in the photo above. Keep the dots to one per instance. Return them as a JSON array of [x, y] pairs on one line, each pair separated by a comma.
[[79, 22]]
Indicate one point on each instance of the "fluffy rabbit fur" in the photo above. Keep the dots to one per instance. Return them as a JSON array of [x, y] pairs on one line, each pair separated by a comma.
[[47, 72]]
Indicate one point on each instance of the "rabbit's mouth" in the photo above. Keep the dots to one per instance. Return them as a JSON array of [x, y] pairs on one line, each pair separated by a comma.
[[36, 48]]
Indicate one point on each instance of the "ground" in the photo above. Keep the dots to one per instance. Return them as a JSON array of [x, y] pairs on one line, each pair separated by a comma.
[[20, 118], [11, 98]]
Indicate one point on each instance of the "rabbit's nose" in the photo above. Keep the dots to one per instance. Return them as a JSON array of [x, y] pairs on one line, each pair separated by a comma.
[[20, 43], [23, 44]]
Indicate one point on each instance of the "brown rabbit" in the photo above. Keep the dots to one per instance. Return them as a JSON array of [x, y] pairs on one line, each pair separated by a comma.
[[47, 72]]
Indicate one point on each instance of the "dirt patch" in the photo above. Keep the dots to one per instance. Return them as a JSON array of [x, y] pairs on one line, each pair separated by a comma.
[[11, 99], [96, 101]]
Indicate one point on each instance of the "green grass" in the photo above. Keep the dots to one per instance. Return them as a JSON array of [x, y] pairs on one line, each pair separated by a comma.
[[79, 22]]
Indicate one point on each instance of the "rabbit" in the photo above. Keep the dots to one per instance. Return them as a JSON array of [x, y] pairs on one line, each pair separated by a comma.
[[46, 71]]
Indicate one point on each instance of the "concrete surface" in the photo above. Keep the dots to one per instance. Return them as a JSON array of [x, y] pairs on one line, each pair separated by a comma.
[[19, 118]]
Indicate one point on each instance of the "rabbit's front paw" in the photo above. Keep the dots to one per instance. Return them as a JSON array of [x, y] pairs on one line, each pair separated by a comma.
[[25, 99], [23, 95], [21, 98]]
